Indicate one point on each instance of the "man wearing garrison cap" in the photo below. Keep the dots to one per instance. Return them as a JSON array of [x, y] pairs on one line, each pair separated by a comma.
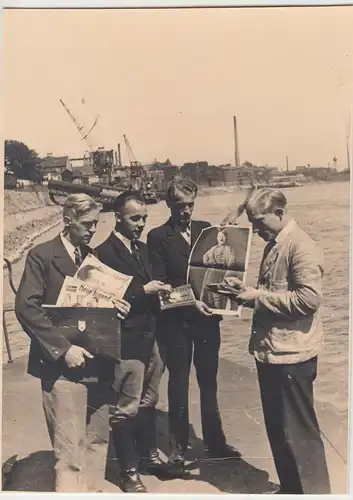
[[186, 334]]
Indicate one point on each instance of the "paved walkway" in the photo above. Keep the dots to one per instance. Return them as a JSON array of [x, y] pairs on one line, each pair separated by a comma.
[[24, 434]]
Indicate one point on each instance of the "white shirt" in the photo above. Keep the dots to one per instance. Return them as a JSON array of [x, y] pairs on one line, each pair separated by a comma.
[[69, 247], [187, 234], [286, 230], [123, 239]]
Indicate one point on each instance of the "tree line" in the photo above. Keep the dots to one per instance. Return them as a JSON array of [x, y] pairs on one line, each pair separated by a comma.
[[22, 161]]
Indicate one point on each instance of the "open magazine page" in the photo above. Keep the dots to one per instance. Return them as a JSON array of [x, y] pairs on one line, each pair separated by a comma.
[[76, 293], [97, 275], [218, 253]]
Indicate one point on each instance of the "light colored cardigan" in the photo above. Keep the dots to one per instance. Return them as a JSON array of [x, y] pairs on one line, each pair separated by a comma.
[[286, 323]]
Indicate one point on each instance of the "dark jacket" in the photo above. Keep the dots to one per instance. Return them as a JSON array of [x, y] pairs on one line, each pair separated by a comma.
[[46, 267], [138, 329], [169, 255]]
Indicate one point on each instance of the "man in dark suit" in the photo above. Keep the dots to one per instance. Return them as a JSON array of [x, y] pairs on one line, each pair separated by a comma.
[[188, 333], [138, 375], [72, 379]]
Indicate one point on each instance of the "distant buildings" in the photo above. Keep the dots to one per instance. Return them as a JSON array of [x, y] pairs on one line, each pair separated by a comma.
[[52, 167]]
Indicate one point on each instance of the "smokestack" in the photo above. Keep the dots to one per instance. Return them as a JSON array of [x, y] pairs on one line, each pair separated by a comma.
[[236, 145], [119, 155], [287, 163]]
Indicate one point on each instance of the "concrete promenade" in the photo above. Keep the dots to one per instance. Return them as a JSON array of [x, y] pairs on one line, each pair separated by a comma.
[[24, 434]]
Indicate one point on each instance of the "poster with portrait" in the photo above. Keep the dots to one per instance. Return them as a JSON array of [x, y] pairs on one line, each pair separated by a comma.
[[218, 253]]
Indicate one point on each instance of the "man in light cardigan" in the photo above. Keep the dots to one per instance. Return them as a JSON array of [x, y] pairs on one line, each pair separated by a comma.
[[286, 339]]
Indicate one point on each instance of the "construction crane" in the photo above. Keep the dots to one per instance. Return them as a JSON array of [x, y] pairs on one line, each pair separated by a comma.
[[102, 159], [81, 129], [136, 166], [139, 175]]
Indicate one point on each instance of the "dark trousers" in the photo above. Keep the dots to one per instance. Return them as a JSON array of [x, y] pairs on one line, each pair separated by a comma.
[[292, 427], [179, 345], [134, 419]]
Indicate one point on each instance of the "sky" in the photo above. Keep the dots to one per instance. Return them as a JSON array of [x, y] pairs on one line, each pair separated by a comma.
[[172, 80]]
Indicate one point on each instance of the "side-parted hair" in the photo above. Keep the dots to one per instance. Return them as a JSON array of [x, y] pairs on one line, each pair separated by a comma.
[[266, 200], [126, 196], [79, 204], [184, 186]]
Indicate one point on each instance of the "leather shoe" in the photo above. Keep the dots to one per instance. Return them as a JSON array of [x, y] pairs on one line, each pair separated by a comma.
[[224, 451], [131, 482], [177, 459], [156, 467]]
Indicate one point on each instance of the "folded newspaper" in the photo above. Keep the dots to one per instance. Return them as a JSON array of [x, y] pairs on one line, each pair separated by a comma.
[[94, 285], [76, 293]]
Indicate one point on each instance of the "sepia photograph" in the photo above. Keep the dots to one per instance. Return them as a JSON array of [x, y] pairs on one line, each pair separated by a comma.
[[219, 253], [180, 296], [176, 250]]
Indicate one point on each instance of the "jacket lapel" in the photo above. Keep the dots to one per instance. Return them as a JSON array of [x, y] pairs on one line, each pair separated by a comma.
[[177, 241], [268, 261], [145, 262], [124, 255], [62, 260]]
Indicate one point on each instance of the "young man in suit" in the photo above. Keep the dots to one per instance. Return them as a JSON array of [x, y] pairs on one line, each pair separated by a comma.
[[138, 375], [70, 376], [188, 333], [286, 339]]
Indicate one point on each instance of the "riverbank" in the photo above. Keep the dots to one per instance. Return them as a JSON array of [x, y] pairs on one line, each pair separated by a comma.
[[27, 215]]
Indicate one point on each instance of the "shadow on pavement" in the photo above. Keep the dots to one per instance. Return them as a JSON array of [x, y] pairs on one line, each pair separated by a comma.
[[228, 476], [33, 473]]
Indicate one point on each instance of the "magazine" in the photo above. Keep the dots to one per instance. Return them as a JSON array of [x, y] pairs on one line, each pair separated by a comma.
[[97, 275], [219, 252], [180, 296], [76, 293]]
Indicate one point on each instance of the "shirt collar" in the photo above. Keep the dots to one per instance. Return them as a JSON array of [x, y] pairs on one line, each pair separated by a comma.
[[188, 227], [285, 231], [70, 248], [123, 239]]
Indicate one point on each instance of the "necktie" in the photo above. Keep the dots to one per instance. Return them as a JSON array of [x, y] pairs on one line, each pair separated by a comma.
[[78, 257], [267, 250], [135, 251]]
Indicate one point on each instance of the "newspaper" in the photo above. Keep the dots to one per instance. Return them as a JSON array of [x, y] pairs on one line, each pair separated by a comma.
[[95, 274], [180, 296], [76, 293]]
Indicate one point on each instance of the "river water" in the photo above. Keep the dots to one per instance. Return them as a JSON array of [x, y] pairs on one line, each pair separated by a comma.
[[323, 210]]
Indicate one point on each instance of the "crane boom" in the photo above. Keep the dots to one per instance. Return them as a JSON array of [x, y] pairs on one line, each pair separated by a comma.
[[132, 158], [80, 128]]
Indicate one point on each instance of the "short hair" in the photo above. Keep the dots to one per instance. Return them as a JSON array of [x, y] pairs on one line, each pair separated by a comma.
[[78, 204], [121, 200], [185, 186], [266, 200]]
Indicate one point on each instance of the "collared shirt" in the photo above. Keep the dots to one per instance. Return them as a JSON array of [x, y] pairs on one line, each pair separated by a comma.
[[123, 239], [69, 247], [272, 243], [187, 233], [286, 230]]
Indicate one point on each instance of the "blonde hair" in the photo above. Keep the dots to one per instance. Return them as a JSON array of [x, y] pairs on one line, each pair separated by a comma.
[[266, 200], [78, 204]]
